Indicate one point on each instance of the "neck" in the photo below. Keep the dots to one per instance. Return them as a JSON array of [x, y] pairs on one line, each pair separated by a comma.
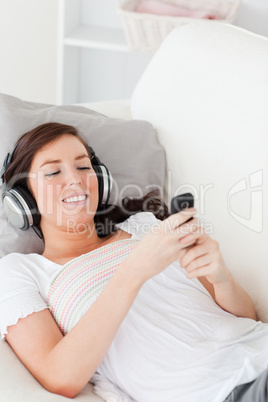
[[61, 246]]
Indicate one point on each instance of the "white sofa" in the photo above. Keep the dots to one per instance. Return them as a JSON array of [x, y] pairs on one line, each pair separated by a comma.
[[206, 93]]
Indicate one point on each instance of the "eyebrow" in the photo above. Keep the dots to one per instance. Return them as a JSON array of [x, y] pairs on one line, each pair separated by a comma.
[[59, 160]]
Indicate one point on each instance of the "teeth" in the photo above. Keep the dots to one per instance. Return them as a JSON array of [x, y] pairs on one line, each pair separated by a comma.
[[76, 198]]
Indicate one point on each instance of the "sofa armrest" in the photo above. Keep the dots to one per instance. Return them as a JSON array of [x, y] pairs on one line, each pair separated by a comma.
[[17, 384]]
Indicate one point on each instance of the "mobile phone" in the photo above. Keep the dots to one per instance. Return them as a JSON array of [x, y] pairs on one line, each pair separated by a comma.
[[181, 202]]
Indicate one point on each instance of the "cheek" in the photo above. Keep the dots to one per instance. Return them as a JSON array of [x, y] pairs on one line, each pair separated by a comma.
[[36, 191], [94, 193], [93, 189], [94, 185], [46, 198], [91, 184]]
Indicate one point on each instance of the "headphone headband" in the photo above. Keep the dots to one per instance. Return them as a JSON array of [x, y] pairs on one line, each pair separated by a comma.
[[95, 160], [7, 162]]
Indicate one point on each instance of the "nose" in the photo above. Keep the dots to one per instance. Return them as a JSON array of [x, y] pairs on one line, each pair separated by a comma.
[[73, 177]]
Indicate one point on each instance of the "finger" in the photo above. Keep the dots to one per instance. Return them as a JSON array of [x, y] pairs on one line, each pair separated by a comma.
[[195, 232], [198, 263], [192, 227], [184, 250], [197, 273], [193, 253], [199, 234], [187, 246], [175, 220], [204, 236]]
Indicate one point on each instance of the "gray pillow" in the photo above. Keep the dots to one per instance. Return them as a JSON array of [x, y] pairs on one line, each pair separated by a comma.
[[130, 149]]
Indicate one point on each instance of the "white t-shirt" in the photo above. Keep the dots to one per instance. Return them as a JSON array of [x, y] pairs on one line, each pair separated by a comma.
[[175, 344]]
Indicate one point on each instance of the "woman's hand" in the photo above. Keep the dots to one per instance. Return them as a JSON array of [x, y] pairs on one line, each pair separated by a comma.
[[162, 246], [204, 259]]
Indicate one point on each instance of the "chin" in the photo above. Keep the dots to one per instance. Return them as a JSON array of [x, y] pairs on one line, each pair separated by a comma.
[[80, 225]]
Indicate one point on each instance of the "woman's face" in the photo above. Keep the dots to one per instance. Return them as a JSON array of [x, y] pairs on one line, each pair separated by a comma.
[[64, 184]]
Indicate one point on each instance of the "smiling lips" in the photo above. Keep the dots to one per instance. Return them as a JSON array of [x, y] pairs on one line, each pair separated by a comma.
[[75, 198]]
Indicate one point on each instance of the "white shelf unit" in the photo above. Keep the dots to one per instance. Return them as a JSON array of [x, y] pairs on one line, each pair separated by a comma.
[[94, 61]]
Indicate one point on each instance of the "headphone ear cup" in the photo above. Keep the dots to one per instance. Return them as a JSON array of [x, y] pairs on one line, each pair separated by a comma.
[[105, 183], [20, 207], [29, 199]]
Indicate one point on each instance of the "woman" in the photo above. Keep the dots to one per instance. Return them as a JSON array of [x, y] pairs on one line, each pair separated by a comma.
[[120, 304]]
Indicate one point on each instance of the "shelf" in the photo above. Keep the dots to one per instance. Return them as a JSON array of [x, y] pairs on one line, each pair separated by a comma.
[[98, 38], [95, 62]]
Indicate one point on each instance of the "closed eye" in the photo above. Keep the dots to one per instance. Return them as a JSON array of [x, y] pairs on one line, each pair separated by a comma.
[[58, 171], [52, 174]]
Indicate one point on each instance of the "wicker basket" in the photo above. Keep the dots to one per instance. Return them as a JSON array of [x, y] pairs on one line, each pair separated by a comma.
[[145, 32]]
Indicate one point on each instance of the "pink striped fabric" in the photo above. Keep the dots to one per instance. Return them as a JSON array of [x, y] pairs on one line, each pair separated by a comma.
[[78, 284]]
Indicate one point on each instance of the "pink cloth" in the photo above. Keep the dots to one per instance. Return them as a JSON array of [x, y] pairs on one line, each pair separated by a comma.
[[159, 8]]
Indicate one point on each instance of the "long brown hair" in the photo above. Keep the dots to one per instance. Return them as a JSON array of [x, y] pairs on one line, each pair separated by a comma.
[[32, 141]]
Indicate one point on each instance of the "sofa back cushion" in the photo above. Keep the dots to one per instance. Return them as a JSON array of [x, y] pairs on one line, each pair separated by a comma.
[[206, 93]]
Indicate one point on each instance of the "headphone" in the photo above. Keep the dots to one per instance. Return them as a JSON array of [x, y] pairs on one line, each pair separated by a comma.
[[20, 206]]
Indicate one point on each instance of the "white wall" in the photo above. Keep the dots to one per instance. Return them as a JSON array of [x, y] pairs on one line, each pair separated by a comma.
[[28, 49], [253, 16]]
